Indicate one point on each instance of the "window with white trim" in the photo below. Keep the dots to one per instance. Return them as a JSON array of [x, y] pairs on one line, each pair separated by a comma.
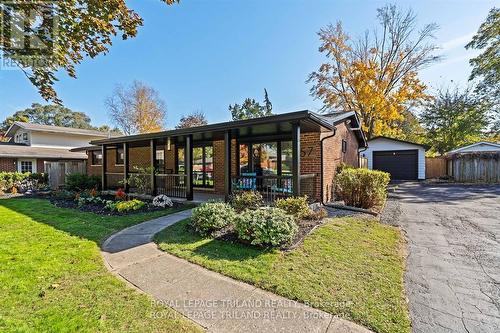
[[26, 166]]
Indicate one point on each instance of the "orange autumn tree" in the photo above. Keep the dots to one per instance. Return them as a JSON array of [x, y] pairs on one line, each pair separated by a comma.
[[377, 75]]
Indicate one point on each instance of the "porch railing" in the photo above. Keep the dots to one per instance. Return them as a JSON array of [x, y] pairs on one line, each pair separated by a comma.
[[172, 185], [114, 180], [274, 187]]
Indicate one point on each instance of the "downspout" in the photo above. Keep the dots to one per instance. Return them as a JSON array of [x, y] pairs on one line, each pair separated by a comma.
[[321, 162]]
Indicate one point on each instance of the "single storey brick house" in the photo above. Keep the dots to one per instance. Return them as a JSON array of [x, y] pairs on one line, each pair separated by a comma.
[[281, 155]]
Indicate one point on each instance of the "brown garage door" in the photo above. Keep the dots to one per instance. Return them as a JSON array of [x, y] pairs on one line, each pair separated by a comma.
[[401, 164]]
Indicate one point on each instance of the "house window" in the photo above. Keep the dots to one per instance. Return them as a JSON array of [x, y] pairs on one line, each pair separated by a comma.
[[96, 157], [203, 175], [203, 166], [344, 146], [266, 158], [120, 156], [25, 136], [26, 166], [160, 161]]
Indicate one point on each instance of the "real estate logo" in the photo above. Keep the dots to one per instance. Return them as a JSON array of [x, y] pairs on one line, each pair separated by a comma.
[[27, 33]]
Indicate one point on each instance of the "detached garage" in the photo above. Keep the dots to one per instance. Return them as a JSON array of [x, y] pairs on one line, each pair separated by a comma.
[[402, 159]]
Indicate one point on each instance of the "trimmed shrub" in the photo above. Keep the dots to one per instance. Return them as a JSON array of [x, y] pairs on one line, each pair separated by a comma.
[[362, 188], [212, 216], [125, 206], [296, 206], [247, 200], [81, 182], [266, 226]]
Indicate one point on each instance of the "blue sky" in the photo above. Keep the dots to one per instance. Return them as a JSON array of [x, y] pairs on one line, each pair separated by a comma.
[[207, 54]]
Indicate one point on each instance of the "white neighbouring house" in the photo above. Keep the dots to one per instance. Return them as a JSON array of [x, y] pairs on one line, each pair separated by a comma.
[[31, 146], [482, 146], [402, 159]]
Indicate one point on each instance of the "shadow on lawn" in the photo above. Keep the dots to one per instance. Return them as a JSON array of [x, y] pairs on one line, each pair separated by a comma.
[[182, 235]]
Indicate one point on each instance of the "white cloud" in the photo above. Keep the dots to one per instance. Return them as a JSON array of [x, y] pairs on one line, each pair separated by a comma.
[[460, 41]]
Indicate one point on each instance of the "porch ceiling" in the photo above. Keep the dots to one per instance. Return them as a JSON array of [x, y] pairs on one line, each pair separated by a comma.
[[265, 126]]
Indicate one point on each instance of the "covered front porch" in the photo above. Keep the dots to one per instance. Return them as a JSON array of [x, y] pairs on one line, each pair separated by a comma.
[[277, 156]]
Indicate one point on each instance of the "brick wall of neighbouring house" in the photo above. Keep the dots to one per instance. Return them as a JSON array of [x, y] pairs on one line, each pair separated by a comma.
[[7, 164]]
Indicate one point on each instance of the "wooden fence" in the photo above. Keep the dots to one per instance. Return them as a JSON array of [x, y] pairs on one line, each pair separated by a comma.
[[435, 167], [57, 171], [363, 162], [475, 167]]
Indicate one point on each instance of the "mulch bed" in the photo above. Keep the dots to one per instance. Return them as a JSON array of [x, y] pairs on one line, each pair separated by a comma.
[[101, 210]]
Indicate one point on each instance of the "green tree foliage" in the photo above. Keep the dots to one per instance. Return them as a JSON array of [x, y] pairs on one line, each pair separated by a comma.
[[251, 108], [54, 115], [85, 28], [50, 114], [455, 118], [192, 120], [486, 66]]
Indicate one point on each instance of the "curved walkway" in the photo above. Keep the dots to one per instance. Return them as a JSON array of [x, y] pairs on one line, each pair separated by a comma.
[[214, 301]]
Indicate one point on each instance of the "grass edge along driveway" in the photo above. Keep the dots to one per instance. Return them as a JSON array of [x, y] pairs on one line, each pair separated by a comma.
[[53, 279], [349, 267]]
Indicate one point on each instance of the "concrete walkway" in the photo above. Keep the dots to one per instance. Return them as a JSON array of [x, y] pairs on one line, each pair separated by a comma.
[[216, 302]]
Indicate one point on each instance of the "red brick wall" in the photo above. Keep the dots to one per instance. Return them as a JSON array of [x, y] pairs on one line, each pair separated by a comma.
[[310, 163], [7, 164], [333, 156], [310, 159]]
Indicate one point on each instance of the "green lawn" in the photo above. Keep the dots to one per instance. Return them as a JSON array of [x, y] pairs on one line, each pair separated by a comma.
[[349, 267], [52, 277]]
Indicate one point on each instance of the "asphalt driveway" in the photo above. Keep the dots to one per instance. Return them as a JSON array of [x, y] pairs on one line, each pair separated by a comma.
[[453, 268]]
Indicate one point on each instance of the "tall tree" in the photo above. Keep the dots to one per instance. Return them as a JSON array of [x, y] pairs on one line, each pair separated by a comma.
[[136, 109], [454, 118], [194, 119], [50, 114], [486, 67], [64, 33], [377, 75], [251, 108]]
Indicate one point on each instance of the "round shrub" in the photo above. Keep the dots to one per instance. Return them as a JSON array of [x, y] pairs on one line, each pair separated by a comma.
[[297, 206], [266, 226], [212, 216], [247, 200]]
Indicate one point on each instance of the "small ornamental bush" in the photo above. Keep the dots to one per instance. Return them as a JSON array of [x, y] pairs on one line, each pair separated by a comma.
[[85, 200], [120, 194], [212, 216], [110, 205], [362, 187], [81, 182], [162, 201], [266, 226], [247, 200], [297, 206], [125, 206]]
